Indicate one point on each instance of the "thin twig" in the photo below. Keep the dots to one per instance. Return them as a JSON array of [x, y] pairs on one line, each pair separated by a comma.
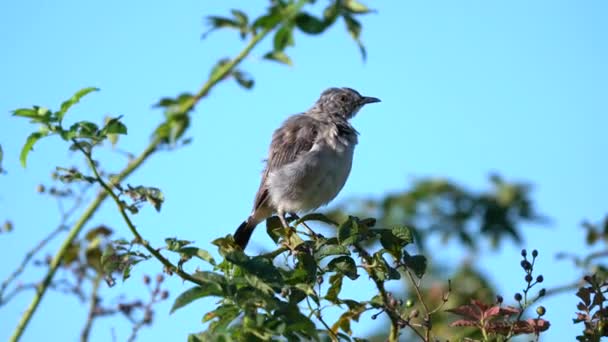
[[215, 78], [93, 306], [427, 317], [121, 208], [396, 320], [65, 215]]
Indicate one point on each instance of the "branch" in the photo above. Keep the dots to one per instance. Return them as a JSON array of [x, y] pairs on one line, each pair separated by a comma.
[[30, 254], [168, 265], [427, 316], [131, 167], [396, 320], [84, 335]]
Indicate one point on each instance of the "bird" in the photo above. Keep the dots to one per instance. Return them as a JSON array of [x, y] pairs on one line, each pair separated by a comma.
[[309, 159]]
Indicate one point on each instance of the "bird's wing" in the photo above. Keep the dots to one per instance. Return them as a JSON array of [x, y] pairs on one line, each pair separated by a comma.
[[295, 137]]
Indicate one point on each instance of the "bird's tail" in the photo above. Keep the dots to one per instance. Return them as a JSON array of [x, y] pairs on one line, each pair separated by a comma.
[[244, 231]]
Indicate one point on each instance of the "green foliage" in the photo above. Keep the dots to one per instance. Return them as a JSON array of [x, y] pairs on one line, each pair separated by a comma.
[[271, 297], [83, 133]]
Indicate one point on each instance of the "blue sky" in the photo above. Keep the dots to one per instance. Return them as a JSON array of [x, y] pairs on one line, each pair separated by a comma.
[[468, 88]]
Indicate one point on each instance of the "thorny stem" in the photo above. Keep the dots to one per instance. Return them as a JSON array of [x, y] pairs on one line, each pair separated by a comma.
[[131, 167]]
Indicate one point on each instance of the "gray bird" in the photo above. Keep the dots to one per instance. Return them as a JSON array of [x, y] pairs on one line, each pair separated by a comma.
[[309, 159]]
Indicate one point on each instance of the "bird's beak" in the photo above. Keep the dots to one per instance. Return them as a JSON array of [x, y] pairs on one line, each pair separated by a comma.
[[369, 99]]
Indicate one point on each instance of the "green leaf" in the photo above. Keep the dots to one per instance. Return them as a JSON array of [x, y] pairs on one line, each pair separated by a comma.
[[391, 243], [28, 146], [220, 22], [278, 56], [354, 6], [330, 14], [382, 270], [327, 250], [149, 194], [240, 16], [257, 283], [309, 24], [403, 233], [354, 28], [297, 322], [38, 114], [283, 38], [175, 245], [316, 217], [242, 20], [210, 277], [66, 105], [199, 253], [114, 126], [345, 265], [188, 296], [225, 314], [81, 129], [348, 231], [336, 286], [243, 79], [274, 228], [416, 263], [307, 263], [258, 266]]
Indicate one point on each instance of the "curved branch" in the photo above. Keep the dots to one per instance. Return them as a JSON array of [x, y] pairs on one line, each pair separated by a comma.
[[131, 167]]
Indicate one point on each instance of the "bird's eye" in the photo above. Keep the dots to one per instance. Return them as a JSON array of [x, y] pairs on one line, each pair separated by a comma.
[[343, 98]]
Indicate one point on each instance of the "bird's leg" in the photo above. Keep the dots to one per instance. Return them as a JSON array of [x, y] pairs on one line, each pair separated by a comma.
[[310, 231], [288, 230], [281, 215]]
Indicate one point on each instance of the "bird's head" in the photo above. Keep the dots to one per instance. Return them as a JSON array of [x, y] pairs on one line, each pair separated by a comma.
[[343, 102]]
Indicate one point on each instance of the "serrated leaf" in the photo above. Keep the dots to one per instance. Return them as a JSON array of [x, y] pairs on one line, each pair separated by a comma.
[[345, 265], [278, 56], [192, 294], [28, 146], [66, 105]]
